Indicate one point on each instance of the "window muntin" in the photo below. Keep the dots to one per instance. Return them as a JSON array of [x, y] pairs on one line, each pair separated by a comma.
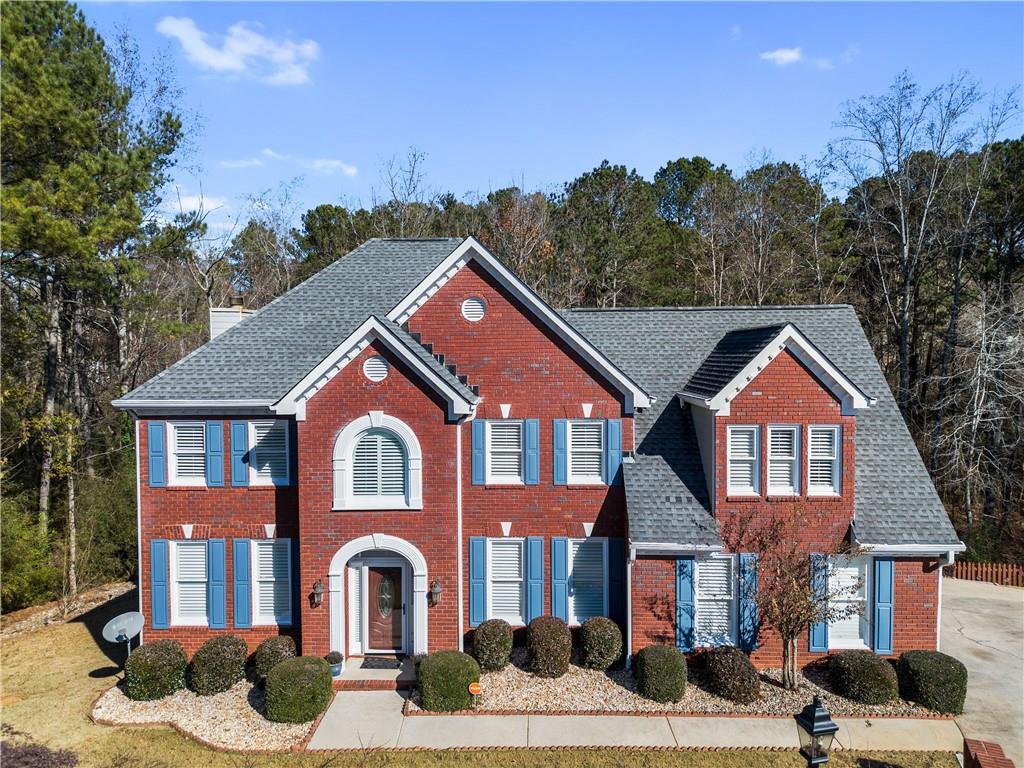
[[848, 588], [744, 453], [269, 456], [188, 452], [586, 452], [189, 578], [823, 460], [588, 578], [504, 452], [379, 466], [272, 581], [783, 460], [506, 582], [715, 593]]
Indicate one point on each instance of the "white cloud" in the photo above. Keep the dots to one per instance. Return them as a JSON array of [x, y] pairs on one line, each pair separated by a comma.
[[851, 53], [328, 166], [783, 56], [184, 203], [735, 31], [822, 62], [243, 51], [249, 162], [268, 152]]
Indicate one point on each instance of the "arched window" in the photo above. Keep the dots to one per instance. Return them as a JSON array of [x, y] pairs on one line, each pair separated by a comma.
[[378, 465]]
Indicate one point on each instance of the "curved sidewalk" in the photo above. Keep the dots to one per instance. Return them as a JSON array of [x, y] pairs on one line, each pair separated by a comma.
[[374, 720]]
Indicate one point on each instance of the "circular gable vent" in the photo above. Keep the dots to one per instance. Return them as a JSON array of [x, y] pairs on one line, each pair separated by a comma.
[[473, 309], [376, 368]]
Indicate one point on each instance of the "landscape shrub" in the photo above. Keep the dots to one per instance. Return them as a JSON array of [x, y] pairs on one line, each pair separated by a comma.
[[600, 643], [217, 665], [548, 646], [444, 678], [155, 670], [298, 689], [492, 644], [863, 676], [661, 673], [270, 653], [729, 673], [934, 680]]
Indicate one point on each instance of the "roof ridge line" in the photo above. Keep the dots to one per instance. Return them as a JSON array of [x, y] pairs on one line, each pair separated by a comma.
[[695, 308]]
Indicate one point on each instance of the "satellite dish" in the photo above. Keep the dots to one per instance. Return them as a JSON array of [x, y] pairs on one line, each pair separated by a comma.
[[121, 629]]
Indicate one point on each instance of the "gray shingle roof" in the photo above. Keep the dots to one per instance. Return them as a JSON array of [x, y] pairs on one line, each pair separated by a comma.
[[666, 493], [266, 354], [730, 356]]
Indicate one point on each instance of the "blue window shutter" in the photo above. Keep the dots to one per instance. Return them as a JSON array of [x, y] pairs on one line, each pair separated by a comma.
[[617, 581], [293, 453], [159, 574], [296, 583], [477, 580], [157, 440], [561, 453], [613, 451], [534, 577], [239, 453], [684, 603], [560, 576], [817, 634], [216, 585], [883, 598], [241, 571], [479, 452], [531, 452], [215, 453], [748, 601]]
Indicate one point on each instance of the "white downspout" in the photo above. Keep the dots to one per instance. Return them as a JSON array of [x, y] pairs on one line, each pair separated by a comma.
[[938, 613], [138, 517], [458, 527], [629, 606]]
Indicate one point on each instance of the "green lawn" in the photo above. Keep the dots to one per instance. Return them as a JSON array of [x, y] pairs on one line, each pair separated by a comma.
[[52, 675]]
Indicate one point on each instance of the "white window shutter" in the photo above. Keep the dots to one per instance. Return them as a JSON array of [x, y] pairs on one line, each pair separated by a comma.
[[506, 599], [379, 465], [742, 458], [273, 580], [190, 582], [269, 453], [586, 451], [505, 454], [716, 593], [190, 451], [823, 459], [782, 459]]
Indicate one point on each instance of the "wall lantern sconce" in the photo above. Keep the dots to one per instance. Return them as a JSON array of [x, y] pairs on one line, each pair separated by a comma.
[[816, 731], [435, 592], [317, 596]]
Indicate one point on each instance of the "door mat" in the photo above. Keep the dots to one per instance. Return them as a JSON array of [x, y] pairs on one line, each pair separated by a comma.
[[380, 662]]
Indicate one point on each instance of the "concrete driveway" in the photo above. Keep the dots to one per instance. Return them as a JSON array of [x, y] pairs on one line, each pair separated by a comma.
[[983, 626]]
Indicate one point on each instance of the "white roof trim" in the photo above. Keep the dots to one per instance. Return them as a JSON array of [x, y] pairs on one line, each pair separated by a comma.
[[851, 396], [294, 402], [669, 548], [912, 549], [471, 249]]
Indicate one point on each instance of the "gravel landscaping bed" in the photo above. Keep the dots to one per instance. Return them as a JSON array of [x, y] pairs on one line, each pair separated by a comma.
[[514, 689], [230, 720]]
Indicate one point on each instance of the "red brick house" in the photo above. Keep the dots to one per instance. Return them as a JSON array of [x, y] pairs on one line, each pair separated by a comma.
[[412, 441]]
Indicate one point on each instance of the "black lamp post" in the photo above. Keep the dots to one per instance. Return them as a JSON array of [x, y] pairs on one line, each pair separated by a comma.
[[816, 731]]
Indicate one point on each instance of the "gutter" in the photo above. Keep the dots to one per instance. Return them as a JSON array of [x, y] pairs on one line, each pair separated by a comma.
[[671, 548], [947, 552]]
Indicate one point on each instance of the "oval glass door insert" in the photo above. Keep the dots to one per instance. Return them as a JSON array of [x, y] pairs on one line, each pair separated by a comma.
[[385, 596]]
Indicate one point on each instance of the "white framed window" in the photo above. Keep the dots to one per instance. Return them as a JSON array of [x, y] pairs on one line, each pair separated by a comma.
[[506, 580], [189, 577], [586, 452], [784, 460], [716, 600], [188, 452], [379, 467], [588, 578], [504, 452], [272, 581], [268, 457], [824, 460], [744, 461], [848, 588]]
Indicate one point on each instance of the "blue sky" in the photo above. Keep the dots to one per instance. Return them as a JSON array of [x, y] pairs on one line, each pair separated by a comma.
[[533, 93]]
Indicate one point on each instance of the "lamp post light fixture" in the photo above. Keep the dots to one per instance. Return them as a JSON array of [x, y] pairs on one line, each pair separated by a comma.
[[435, 592], [816, 731], [317, 596]]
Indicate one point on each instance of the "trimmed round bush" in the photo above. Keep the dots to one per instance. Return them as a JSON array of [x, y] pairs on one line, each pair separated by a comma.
[[492, 644], [934, 680], [217, 665], [270, 653], [729, 673], [863, 677], [600, 643], [155, 670], [661, 673], [548, 646], [298, 689], [444, 678]]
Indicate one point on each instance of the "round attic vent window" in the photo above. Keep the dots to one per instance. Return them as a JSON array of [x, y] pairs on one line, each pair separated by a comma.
[[376, 368], [473, 309]]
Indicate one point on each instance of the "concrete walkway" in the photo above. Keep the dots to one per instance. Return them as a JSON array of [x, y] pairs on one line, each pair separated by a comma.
[[373, 719], [983, 626]]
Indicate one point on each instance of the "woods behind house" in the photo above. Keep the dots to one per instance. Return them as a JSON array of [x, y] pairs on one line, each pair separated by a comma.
[[914, 214]]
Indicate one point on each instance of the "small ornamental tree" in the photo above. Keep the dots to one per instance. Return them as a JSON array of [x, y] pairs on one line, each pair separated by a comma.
[[788, 597]]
